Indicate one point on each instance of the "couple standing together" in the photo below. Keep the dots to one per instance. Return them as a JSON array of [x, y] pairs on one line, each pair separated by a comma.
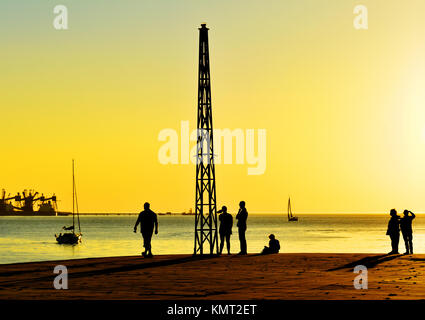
[[148, 221], [226, 224], [405, 224]]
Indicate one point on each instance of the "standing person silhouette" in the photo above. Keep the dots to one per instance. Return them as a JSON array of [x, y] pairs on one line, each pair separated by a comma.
[[406, 230], [394, 231], [242, 216], [148, 220], [225, 230]]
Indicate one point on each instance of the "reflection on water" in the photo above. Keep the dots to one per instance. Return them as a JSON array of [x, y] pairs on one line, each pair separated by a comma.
[[24, 239]]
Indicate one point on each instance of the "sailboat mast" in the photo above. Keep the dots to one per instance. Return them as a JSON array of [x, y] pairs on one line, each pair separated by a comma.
[[75, 200], [76, 206], [73, 197]]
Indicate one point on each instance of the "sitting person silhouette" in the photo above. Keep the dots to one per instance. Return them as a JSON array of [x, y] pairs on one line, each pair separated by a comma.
[[273, 247]]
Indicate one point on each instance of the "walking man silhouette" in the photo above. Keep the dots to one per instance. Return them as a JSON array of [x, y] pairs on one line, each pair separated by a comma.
[[148, 220], [406, 230], [225, 230], [394, 231], [242, 216]]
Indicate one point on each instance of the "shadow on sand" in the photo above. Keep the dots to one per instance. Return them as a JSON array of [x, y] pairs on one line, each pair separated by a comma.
[[368, 262], [126, 268], [144, 265]]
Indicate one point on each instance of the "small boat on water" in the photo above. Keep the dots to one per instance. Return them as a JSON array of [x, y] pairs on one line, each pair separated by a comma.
[[291, 217], [71, 237]]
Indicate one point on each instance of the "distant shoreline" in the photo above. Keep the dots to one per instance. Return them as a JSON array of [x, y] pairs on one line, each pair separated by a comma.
[[192, 214]]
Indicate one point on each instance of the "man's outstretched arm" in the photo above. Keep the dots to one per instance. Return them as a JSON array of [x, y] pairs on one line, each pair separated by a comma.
[[137, 223]]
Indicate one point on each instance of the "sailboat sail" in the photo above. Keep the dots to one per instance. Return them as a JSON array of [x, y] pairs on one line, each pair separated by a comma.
[[290, 216], [289, 209]]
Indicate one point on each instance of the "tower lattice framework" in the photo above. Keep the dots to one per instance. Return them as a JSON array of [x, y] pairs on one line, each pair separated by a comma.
[[206, 210]]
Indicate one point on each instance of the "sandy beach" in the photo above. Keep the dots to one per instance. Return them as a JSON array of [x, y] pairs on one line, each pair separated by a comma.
[[275, 277]]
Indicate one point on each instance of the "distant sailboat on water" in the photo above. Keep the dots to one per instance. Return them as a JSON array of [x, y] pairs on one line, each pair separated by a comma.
[[290, 216], [71, 237]]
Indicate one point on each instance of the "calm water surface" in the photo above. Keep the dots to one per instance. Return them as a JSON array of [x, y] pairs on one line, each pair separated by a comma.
[[24, 239]]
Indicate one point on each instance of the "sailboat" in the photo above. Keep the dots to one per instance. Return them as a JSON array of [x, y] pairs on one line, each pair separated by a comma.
[[290, 216], [71, 237]]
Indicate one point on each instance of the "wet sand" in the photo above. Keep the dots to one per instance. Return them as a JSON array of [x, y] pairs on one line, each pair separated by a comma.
[[283, 276]]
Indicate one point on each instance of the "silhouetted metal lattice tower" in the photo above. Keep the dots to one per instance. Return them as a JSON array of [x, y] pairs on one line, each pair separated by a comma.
[[206, 210]]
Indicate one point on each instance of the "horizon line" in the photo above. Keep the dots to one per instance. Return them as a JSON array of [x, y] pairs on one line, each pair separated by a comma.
[[256, 213]]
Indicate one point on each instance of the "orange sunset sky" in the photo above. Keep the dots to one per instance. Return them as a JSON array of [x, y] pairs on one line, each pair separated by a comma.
[[344, 109]]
